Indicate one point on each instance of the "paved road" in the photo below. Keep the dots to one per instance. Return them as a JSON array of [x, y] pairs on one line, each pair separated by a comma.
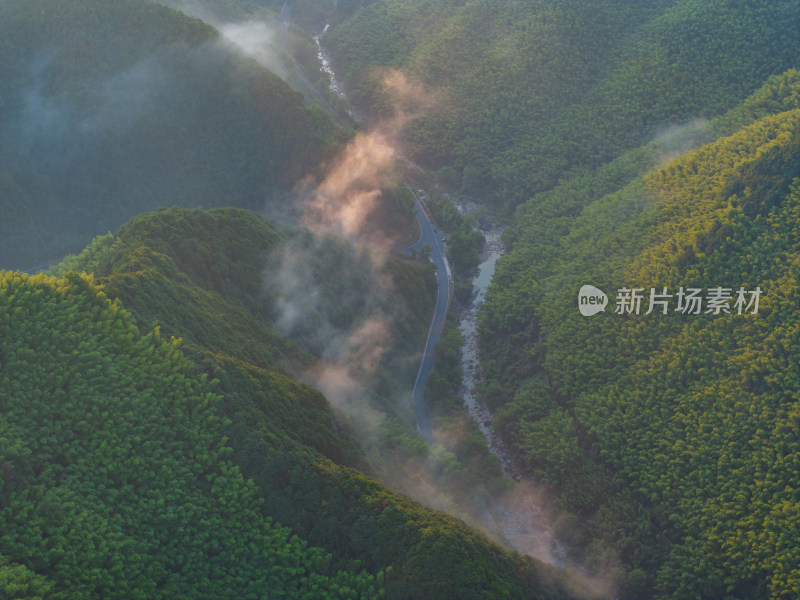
[[429, 236]]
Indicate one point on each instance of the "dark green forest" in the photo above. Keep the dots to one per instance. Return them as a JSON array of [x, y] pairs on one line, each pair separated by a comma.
[[197, 401], [532, 91], [110, 109], [117, 480], [201, 279]]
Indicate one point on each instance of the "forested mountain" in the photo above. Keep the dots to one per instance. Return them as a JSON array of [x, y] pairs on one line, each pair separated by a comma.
[[202, 403], [531, 91], [673, 435], [215, 471], [227, 373], [110, 109], [116, 480], [669, 438]]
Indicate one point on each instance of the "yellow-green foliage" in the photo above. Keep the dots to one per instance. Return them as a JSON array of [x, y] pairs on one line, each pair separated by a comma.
[[688, 424]]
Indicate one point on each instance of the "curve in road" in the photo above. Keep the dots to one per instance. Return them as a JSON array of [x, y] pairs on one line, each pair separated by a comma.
[[429, 235]]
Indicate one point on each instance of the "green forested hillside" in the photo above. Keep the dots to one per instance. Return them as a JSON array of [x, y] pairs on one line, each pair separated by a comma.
[[674, 436], [209, 278], [110, 109], [530, 91], [115, 479], [658, 433], [160, 432]]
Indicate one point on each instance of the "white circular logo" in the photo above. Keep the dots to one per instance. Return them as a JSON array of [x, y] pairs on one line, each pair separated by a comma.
[[591, 300]]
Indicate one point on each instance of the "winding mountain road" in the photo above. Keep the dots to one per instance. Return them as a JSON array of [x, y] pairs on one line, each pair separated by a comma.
[[430, 236]]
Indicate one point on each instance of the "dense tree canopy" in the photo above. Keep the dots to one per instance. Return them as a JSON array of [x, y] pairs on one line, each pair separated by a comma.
[[215, 279], [158, 434], [529, 91], [116, 480], [681, 425]]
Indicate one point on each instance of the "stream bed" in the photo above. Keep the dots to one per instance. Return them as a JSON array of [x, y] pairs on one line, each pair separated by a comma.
[[516, 516], [335, 86], [470, 358]]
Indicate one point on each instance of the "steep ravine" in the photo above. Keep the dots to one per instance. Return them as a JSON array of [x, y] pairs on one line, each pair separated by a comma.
[[470, 355], [514, 517]]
